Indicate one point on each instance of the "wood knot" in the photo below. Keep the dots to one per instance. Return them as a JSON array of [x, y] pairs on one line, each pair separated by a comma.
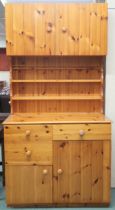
[[47, 131], [95, 181], [50, 24], [18, 127], [73, 38], [63, 144]]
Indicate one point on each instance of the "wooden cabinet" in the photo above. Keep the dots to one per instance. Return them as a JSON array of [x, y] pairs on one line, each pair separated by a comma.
[[81, 171], [28, 184], [56, 29], [58, 164], [57, 139]]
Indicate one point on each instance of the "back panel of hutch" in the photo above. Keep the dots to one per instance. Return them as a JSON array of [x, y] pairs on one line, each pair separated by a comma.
[[57, 139]]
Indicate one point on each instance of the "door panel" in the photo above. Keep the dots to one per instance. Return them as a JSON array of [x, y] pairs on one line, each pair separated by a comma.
[[28, 184], [61, 178], [62, 30], [97, 171], [18, 30], [85, 169], [29, 29], [75, 172]]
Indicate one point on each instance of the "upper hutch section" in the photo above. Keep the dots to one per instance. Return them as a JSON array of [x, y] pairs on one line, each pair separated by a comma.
[[56, 29]]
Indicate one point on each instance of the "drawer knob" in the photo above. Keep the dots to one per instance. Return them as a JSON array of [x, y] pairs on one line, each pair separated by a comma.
[[49, 29], [28, 153], [45, 171], [64, 30], [60, 171], [28, 133], [81, 132]]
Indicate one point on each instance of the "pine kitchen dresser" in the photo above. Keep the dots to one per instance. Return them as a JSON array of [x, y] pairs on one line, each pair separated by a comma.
[[57, 139]]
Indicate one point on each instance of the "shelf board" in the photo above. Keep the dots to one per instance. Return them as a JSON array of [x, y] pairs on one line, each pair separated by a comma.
[[59, 81], [70, 97], [29, 67]]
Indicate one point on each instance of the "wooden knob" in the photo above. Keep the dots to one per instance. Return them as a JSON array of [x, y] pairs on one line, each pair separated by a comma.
[[81, 132], [45, 171], [9, 102], [60, 171], [28, 153], [28, 133], [49, 29], [64, 30]]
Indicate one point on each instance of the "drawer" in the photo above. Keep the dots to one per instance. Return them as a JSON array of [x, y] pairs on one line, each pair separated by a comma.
[[28, 143], [82, 132]]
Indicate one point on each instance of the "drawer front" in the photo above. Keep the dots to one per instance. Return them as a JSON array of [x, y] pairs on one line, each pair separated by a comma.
[[28, 143], [82, 132]]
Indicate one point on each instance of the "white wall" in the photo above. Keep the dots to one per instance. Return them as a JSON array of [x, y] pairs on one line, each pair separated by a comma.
[[5, 76], [110, 79]]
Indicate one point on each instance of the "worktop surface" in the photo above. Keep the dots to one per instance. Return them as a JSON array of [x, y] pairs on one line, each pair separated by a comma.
[[56, 118]]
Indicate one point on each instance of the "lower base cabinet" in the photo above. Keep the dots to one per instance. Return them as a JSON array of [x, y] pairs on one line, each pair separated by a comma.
[[28, 184], [80, 174]]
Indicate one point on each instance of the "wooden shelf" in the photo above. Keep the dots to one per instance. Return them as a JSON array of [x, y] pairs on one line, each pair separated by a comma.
[[70, 97], [57, 84], [58, 81], [23, 67]]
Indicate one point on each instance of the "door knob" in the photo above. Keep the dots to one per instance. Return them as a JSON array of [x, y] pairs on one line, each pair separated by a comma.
[[45, 172], [60, 171]]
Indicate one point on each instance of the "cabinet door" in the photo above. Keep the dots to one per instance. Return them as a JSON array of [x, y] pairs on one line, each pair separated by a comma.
[[81, 172], [56, 29], [28, 184]]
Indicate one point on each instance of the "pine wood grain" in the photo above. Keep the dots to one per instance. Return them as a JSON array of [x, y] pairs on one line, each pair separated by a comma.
[[52, 29], [22, 184], [35, 139], [91, 132]]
